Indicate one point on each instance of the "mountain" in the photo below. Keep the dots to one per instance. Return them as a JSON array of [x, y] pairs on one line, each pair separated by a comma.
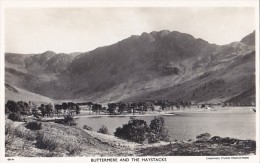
[[37, 73], [249, 39], [152, 66]]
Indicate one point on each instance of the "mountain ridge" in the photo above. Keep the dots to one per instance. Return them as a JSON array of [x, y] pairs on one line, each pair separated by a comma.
[[134, 67]]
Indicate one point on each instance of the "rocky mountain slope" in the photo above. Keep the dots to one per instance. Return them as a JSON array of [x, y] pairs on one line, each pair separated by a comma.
[[152, 66]]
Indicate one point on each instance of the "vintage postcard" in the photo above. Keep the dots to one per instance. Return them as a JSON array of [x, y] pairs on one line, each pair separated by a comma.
[[130, 81]]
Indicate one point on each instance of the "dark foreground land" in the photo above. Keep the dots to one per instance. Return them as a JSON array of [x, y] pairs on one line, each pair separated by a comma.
[[213, 147], [57, 140]]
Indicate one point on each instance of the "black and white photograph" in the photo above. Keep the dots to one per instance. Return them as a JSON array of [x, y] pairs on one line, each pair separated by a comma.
[[125, 82]]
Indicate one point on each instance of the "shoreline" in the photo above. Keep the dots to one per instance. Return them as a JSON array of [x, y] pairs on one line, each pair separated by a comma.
[[108, 115], [126, 115], [85, 114]]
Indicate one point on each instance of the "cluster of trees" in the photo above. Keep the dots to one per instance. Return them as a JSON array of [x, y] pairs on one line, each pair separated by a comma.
[[46, 110], [16, 109], [249, 103], [138, 131], [165, 104], [118, 108], [121, 108], [134, 107], [69, 108]]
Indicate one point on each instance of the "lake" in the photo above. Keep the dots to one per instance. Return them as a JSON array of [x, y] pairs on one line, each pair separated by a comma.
[[240, 123]]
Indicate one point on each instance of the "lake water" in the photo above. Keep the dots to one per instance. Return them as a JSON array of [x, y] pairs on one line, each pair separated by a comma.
[[184, 126]]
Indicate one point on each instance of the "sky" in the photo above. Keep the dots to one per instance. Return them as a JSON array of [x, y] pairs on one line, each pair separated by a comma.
[[67, 30]]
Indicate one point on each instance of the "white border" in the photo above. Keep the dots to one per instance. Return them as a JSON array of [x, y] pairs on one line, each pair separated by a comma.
[[186, 3], [127, 3]]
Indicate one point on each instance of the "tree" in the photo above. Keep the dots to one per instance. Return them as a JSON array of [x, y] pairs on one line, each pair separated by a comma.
[[89, 104], [34, 111], [65, 106], [71, 108], [25, 109], [121, 107], [97, 108], [177, 105], [162, 104], [158, 131], [77, 109], [57, 108], [133, 107], [136, 130], [42, 108], [49, 109], [13, 106], [142, 106], [111, 108], [104, 109], [152, 107]]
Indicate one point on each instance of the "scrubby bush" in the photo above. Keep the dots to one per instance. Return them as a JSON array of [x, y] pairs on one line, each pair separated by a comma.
[[58, 142], [9, 134], [86, 127], [203, 137], [158, 131], [216, 139], [15, 116], [43, 141], [136, 130], [103, 130], [69, 120], [74, 149], [23, 132], [25, 113], [34, 125]]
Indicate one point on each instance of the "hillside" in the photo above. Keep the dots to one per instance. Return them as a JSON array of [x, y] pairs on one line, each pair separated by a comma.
[[235, 83], [17, 94], [52, 141], [152, 66]]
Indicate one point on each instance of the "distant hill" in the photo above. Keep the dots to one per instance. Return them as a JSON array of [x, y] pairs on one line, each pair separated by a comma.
[[17, 94], [152, 66]]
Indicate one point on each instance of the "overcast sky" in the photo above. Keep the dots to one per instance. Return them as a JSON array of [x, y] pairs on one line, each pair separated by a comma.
[[35, 30]]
